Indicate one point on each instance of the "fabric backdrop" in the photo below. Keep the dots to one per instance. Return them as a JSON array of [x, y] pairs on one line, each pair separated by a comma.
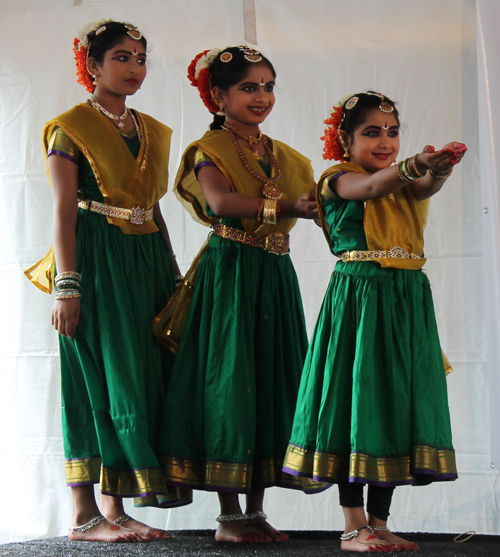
[[424, 54]]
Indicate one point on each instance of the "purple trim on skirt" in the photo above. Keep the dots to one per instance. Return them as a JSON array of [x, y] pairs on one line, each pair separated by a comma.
[[70, 158], [448, 476], [296, 473]]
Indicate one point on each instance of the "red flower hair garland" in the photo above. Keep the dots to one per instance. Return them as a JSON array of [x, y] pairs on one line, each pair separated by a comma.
[[83, 76], [199, 76], [332, 148]]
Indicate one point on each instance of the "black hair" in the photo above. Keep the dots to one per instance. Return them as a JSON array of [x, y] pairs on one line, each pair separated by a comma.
[[226, 74], [113, 33], [355, 116]]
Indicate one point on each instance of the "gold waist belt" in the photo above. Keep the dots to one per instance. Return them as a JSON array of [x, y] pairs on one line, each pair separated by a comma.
[[276, 242], [136, 215], [373, 255]]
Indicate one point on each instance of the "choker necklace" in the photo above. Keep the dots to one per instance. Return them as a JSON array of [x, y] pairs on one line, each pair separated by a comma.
[[271, 189], [119, 119], [248, 138]]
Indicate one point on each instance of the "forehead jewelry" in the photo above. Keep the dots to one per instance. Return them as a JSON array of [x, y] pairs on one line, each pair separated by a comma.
[[250, 54], [133, 32], [383, 106]]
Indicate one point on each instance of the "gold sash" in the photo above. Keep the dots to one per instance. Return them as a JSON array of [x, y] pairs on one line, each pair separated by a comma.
[[124, 181], [297, 178], [395, 221]]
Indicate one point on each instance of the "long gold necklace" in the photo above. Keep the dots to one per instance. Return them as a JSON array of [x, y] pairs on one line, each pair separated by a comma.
[[270, 190]]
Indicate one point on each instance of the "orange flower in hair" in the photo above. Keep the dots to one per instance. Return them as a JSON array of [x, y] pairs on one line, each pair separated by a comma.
[[84, 78], [332, 149]]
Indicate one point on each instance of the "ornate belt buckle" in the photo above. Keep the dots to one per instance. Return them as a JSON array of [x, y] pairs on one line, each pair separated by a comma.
[[138, 215], [276, 243]]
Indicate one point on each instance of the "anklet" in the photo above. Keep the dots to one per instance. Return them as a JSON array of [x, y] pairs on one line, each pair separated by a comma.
[[121, 519], [230, 517], [379, 529], [353, 534], [89, 525], [256, 514]]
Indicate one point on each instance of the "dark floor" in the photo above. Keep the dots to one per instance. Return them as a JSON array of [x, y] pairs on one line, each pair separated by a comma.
[[201, 543]]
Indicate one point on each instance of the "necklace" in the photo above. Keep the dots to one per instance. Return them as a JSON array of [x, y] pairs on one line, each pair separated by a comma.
[[119, 119], [250, 139], [136, 125], [270, 190]]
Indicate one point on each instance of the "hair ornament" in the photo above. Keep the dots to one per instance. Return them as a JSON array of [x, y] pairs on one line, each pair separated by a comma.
[[386, 107], [351, 103], [333, 149], [199, 76], [83, 76], [132, 32], [383, 106], [250, 54], [100, 30], [226, 57]]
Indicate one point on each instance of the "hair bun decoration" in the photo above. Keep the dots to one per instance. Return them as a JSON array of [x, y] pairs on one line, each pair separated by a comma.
[[332, 149], [83, 76], [199, 75]]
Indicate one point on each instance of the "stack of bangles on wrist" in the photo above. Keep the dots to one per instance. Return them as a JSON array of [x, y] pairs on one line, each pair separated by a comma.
[[407, 170], [268, 211], [67, 285], [441, 175]]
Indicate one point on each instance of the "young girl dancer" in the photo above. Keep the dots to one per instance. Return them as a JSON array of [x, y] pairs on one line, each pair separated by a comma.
[[234, 385], [108, 167], [372, 406]]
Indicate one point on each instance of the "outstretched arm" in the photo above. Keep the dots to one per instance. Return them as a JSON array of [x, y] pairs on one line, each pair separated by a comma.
[[355, 186]]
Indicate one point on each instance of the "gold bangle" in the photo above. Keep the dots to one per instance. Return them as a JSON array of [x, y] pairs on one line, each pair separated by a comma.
[[413, 162], [439, 176], [270, 212]]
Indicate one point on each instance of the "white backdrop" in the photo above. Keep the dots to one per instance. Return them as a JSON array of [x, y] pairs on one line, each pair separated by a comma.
[[421, 53]]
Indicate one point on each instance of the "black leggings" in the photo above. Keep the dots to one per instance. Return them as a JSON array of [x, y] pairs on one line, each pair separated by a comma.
[[379, 498]]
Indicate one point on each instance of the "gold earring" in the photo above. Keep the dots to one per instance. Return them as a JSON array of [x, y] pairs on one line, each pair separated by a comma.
[[95, 80], [345, 147], [221, 112]]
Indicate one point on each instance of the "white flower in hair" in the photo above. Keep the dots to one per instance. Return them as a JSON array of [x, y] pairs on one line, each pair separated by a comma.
[[93, 26], [205, 61]]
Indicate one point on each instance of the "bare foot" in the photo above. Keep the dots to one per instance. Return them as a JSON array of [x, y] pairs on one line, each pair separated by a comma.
[[239, 532], [261, 524], [366, 542], [146, 532], [106, 531], [400, 543]]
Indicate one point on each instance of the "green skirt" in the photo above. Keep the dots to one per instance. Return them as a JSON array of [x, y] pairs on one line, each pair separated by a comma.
[[234, 385], [114, 372], [372, 405]]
